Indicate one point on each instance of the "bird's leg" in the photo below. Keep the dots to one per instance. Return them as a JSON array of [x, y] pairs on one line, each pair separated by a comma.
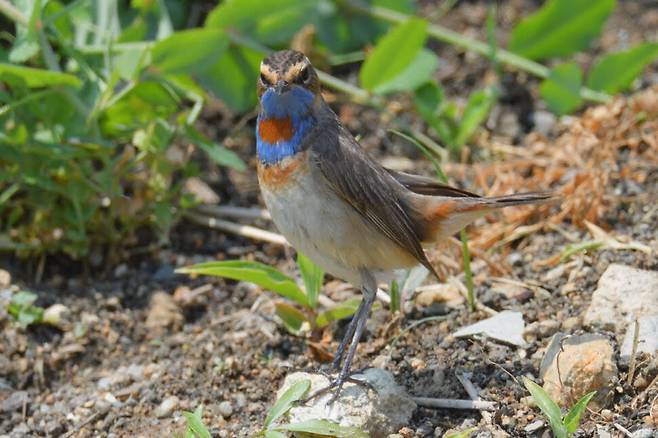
[[369, 293], [349, 334]]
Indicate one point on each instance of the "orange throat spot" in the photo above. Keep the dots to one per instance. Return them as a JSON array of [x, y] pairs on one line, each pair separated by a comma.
[[275, 130]]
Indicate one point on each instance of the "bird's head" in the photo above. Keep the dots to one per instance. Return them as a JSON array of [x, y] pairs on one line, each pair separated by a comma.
[[288, 85]]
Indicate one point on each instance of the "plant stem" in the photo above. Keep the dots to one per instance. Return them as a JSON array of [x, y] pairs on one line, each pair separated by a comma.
[[13, 13], [451, 37]]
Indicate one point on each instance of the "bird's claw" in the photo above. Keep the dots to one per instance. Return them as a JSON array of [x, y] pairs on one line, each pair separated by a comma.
[[338, 385]]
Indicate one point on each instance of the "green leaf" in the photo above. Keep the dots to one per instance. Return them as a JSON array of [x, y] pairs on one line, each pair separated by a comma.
[[26, 44], [272, 22], [217, 153], [189, 51], [313, 276], [293, 318], [254, 272], [616, 71], [324, 427], [547, 406], [560, 28], [274, 434], [393, 53], [428, 99], [395, 297], [195, 423], [233, 78], [22, 309], [572, 419], [561, 89], [35, 77], [434, 109], [418, 72], [461, 434], [476, 111], [343, 310], [342, 29], [293, 394]]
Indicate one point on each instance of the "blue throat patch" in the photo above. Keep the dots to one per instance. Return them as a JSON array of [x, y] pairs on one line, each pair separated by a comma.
[[295, 104]]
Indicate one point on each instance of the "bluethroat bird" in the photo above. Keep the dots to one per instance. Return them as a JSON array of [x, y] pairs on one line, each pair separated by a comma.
[[354, 218]]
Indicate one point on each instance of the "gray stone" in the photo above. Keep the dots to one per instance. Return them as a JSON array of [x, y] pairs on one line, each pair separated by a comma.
[[576, 365], [544, 121], [167, 407], [647, 339], [379, 411], [506, 327], [645, 433], [534, 426], [612, 307], [226, 409], [15, 401]]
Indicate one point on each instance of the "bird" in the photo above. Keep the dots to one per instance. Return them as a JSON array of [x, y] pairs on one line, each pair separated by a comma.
[[356, 219]]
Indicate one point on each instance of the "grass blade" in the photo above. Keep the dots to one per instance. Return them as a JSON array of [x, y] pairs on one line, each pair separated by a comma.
[[254, 272], [313, 277], [342, 310], [572, 419], [292, 317], [283, 404], [324, 427], [195, 424], [548, 407]]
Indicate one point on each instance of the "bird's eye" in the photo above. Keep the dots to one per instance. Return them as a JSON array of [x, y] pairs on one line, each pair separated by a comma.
[[303, 76], [264, 79]]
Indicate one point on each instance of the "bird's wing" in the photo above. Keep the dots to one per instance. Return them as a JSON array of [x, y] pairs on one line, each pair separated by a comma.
[[428, 186], [367, 187]]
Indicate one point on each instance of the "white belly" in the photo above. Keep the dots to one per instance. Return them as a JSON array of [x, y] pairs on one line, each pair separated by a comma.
[[330, 232]]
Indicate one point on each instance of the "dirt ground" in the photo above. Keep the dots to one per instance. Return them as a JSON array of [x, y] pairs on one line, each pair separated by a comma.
[[138, 334]]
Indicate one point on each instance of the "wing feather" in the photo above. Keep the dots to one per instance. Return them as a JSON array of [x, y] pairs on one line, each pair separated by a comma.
[[369, 188]]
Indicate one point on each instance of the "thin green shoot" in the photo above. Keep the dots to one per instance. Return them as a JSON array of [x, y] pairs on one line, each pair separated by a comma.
[[563, 427]]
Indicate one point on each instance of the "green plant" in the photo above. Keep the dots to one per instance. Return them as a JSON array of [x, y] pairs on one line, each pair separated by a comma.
[[22, 308], [91, 142], [562, 426], [561, 28], [298, 319], [194, 424], [272, 429]]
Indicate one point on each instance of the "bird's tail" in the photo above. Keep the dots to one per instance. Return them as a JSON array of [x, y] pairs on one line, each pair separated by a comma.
[[445, 215]]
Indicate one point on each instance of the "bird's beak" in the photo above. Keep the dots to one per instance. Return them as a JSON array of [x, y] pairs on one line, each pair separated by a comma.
[[281, 87]]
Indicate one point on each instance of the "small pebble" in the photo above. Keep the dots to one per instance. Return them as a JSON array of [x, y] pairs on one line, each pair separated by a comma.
[[226, 409], [570, 324], [534, 426], [5, 278], [167, 407]]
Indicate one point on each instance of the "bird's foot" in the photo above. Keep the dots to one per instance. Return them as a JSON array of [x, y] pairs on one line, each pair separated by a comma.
[[337, 384]]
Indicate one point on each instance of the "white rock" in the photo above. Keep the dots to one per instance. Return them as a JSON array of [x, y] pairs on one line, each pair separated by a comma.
[[647, 339], [167, 407], [379, 412], [611, 306], [506, 327], [534, 426]]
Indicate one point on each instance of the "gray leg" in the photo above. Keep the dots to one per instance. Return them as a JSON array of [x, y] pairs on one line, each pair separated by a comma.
[[354, 332], [349, 334], [369, 294]]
